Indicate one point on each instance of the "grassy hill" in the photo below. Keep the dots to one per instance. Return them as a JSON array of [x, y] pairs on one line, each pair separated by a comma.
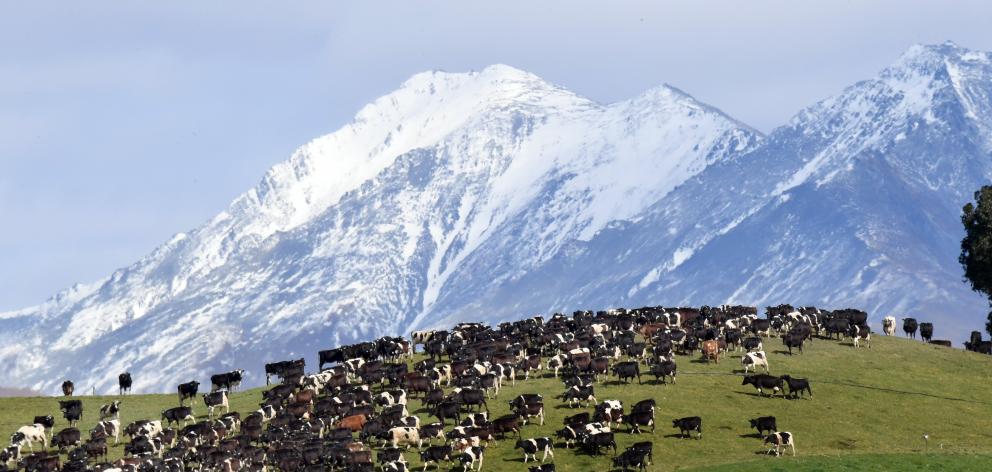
[[869, 412]]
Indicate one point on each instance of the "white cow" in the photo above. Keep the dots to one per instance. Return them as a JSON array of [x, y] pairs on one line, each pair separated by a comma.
[[753, 360], [28, 435], [889, 325]]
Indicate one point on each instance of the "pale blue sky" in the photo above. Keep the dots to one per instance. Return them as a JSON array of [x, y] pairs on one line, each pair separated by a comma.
[[122, 124]]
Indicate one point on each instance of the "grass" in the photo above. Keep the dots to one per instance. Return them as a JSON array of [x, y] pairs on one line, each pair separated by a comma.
[[870, 410]]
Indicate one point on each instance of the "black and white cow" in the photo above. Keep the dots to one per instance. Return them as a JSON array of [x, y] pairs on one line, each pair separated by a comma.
[[216, 400], [124, 383], [636, 419], [107, 429], [541, 468], [753, 360], [531, 447], [779, 440], [187, 390], [689, 424], [764, 423], [752, 344], [861, 333], [110, 410], [29, 435], [227, 381], [765, 381], [576, 395], [48, 421], [472, 458]]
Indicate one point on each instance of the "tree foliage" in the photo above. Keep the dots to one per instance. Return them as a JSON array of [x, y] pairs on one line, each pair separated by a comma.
[[976, 247]]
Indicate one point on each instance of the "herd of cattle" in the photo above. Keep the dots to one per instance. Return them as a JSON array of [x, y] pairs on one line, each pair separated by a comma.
[[341, 416]]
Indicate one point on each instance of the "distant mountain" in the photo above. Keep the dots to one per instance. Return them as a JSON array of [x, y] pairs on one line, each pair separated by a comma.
[[495, 195]]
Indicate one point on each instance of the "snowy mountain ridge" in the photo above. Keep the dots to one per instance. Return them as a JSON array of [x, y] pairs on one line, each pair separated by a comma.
[[493, 195]]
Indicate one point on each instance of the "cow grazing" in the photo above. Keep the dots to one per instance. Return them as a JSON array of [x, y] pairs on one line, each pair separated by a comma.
[[541, 468], [187, 390], [926, 332], [797, 387], [764, 423], [68, 387], [227, 381], [689, 424], [779, 440], [752, 360], [909, 326], [765, 381], [124, 383], [216, 400], [68, 437], [941, 342], [531, 447], [110, 410], [177, 414], [29, 435], [889, 325]]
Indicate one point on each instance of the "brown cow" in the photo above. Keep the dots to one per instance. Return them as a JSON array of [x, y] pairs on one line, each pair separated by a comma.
[[711, 351], [353, 422]]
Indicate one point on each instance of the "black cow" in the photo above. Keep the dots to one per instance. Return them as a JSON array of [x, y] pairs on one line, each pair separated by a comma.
[[688, 424], [646, 447], [797, 387], [124, 383], [631, 459], [764, 423], [793, 340], [626, 371], [909, 326], [227, 381], [531, 447], [66, 438], [541, 468], [475, 419], [68, 387], [448, 409], [765, 381], [72, 410], [592, 443], [188, 390], [926, 331], [177, 414], [752, 343], [470, 397], [505, 424], [664, 369], [580, 419], [435, 454]]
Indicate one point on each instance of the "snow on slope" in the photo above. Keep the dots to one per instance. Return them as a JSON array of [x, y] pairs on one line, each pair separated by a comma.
[[854, 203], [358, 233]]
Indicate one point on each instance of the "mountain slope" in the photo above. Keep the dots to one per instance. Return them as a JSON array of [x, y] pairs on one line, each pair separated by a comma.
[[357, 234], [854, 203]]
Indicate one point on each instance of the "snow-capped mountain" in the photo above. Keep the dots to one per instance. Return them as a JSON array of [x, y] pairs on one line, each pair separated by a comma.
[[495, 195], [357, 234]]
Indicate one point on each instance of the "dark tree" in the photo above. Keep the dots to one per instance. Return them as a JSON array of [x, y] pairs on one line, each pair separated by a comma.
[[976, 247]]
